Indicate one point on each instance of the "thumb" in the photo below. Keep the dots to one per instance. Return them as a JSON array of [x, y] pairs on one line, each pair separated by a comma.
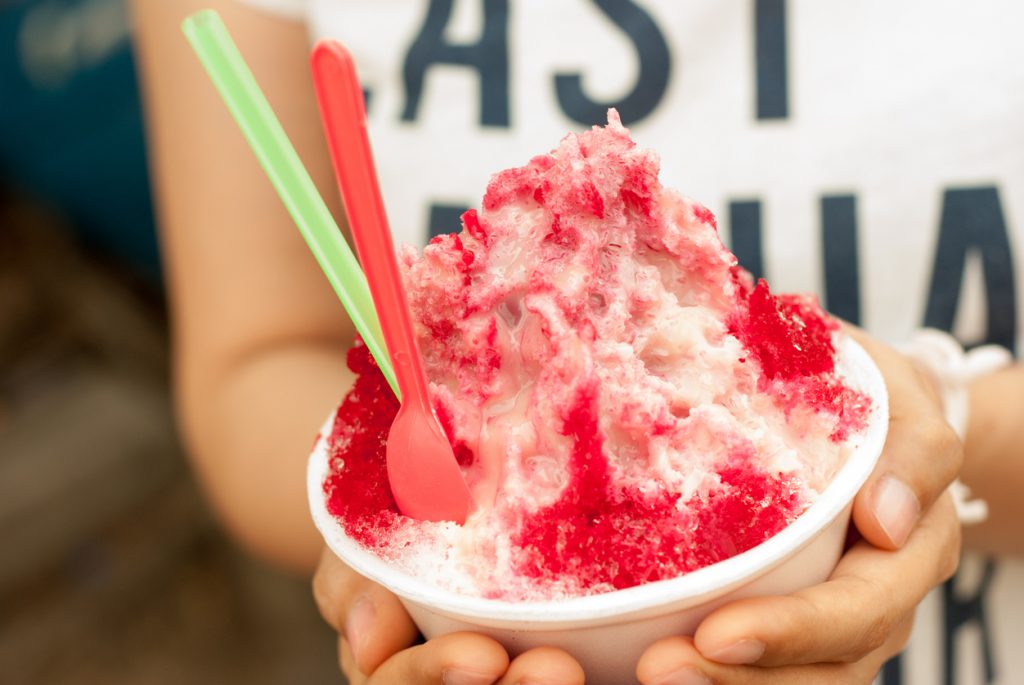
[[921, 457]]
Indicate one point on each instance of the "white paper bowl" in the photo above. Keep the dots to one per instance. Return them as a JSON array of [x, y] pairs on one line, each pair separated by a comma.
[[607, 633]]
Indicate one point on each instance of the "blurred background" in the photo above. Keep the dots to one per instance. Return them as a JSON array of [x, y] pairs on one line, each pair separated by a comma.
[[112, 569]]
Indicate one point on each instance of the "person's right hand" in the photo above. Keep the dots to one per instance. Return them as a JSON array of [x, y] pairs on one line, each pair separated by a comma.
[[841, 631], [380, 645]]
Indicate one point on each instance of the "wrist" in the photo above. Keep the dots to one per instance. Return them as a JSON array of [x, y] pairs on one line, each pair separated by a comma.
[[950, 370]]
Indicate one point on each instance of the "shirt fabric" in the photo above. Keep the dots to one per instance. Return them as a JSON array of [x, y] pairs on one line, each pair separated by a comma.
[[869, 152]]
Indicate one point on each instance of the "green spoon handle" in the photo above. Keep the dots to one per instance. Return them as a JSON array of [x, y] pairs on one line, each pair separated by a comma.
[[251, 111]]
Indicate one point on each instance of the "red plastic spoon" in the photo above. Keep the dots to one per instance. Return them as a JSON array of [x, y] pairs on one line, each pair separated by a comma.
[[425, 478]]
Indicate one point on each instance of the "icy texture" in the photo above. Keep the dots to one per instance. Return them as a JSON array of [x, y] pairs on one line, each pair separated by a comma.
[[626, 403]]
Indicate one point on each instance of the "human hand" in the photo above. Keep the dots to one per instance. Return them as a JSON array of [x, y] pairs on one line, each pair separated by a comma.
[[843, 630], [380, 645]]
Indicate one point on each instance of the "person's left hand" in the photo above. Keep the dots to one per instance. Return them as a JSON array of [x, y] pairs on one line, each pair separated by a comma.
[[843, 630], [379, 644]]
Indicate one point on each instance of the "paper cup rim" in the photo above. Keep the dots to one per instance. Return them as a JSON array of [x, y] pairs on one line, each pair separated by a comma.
[[700, 585]]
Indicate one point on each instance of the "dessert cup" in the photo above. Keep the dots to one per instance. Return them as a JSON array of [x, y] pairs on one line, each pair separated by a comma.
[[608, 632]]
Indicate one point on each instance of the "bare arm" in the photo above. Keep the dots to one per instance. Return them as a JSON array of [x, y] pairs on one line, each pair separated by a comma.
[[994, 462], [259, 336]]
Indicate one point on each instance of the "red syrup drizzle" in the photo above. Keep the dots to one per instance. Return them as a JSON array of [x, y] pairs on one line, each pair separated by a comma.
[[599, 535], [596, 534], [357, 488], [791, 337], [786, 335], [705, 215], [463, 454]]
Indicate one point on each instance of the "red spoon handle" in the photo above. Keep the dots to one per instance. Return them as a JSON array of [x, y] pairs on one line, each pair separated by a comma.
[[344, 118]]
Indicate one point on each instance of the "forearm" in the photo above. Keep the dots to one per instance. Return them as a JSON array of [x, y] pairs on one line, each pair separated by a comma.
[[259, 336], [250, 424], [994, 460]]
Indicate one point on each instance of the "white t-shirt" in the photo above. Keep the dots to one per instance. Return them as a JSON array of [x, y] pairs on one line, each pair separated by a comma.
[[872, 152]]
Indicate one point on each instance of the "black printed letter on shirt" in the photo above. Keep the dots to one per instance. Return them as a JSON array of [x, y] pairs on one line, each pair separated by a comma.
[[652, 79], [772, 63], [961, 611], [973, 223], [842, 269], [745, 229], [489, 57], [444, 218]]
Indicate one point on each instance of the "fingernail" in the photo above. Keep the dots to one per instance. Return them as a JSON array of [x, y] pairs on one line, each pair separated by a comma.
[[359, 622], [896, 509], [742, 652], [684, 676], [457, 676]]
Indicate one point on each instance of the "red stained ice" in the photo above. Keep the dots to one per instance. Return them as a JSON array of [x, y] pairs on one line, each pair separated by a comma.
[[357, 488], [471, 222], [791, 337], [463, 454], [512, 185], [704, 215], [600, 535], [499, 319]]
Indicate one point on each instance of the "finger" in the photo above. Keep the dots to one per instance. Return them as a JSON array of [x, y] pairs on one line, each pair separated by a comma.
[[454, 659], [372, 620], [348, 663], [543, 666], [675, 661], [921, 457], [869, 595], [333, 584]]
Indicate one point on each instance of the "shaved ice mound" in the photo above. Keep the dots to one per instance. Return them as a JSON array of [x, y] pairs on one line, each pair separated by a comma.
[[626, 403]]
